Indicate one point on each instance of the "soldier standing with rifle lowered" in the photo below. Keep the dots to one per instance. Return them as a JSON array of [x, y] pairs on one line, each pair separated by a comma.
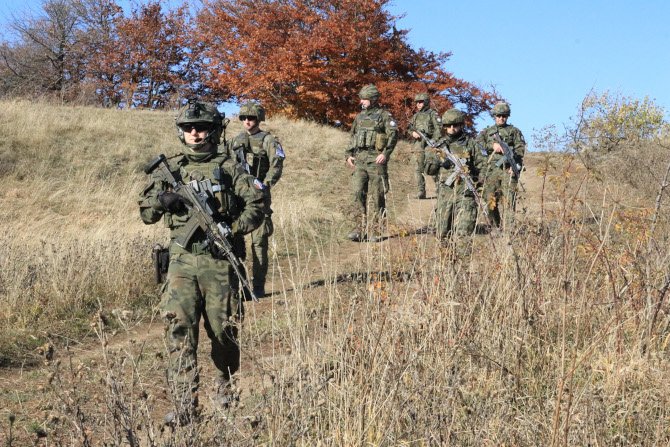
[[428, 122], [374, 135], [456, 196], [204, 197], [506, 148], [264, 156]]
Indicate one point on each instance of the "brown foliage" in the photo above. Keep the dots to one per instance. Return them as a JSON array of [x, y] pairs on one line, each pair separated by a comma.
[[308, 58]]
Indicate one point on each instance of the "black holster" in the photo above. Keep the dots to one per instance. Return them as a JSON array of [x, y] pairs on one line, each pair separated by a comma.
[[161, 261]]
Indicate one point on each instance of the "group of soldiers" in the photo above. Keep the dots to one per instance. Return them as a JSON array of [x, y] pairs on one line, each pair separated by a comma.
[[235, 179], [470, 174]]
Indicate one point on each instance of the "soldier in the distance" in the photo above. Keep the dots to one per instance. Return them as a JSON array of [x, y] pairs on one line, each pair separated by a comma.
[[374, 135], [428, 122], [500, 185], [264, 156]]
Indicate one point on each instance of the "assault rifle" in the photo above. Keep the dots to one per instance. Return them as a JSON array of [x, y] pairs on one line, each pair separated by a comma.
[[508, 156], [459, 170], [202, 216]]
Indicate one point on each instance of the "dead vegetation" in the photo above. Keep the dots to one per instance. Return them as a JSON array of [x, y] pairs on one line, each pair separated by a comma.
[[556, 336]]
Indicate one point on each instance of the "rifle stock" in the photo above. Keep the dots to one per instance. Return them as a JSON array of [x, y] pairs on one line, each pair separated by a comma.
[[217, 232]]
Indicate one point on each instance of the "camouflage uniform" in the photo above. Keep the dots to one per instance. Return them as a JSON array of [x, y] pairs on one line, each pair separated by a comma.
[[264, 156], [373, 132], [456, 206], [200, 283], [428, 122], [500, 187]]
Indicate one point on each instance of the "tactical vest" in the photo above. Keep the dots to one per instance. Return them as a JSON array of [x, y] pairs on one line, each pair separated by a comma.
[[423, 121], [255, 154], [370, 130], [223, 199]]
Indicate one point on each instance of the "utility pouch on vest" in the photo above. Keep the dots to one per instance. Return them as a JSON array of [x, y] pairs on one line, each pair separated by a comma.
[[380, 141], [161, 261]]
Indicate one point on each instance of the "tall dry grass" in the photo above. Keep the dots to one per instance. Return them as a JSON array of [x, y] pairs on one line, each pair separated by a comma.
[[556, 336]]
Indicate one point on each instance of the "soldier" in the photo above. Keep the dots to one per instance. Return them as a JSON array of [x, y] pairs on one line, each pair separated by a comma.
[[264, 156], [199, 280], [427, 121], [374, 134], [500, 186], [456, 205]]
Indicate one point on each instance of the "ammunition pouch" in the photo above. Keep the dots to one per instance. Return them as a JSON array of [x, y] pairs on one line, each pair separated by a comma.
[[380, 141], [161, 261]]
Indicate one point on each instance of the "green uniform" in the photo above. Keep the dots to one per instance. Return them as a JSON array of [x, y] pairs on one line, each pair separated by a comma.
[[456, 205], [264, 157], [500, 187], [198, 282], [428, 122], [373, 132]]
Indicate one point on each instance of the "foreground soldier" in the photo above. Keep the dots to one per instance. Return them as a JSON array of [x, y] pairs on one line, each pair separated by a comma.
[[199, 281], [428, 121], [374, 134], [456, 204], [500, 186], [262, 153]]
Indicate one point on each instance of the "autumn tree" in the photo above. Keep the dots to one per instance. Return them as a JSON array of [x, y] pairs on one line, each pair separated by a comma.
[[44, 55], [309, 58]]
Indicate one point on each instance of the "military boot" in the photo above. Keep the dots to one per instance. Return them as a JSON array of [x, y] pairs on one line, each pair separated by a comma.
[[226, 396], [356, 236]]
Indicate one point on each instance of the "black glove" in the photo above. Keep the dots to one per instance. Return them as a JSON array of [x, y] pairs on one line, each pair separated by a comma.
[[173, 202]]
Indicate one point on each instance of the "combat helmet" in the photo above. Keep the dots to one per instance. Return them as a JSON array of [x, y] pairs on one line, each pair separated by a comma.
[[453, 116], [422, 97], [501, 108], [369, 92], [252, 109], [198, 112]]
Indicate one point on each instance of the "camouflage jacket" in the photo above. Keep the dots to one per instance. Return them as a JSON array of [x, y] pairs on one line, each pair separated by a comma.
[[510, 135], [261, 153], [428, 122], [238, 202], [373, 129]]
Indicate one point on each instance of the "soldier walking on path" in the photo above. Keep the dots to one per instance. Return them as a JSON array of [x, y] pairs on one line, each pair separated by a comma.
[[264, 156], [500, 185], [200, 281], [456, 204], [427, 121], [374, 134]]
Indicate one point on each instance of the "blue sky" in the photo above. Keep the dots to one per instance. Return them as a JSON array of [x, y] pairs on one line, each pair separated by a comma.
[[542, 56], [545, 56]]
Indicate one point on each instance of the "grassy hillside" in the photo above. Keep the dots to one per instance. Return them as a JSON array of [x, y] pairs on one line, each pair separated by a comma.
[[556, 335]]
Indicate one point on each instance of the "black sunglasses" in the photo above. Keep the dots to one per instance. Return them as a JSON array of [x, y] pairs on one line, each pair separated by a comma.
[[247, 118], [199, 127]]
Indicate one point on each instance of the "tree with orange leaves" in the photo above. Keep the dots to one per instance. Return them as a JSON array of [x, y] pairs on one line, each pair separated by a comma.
[[308, 58]]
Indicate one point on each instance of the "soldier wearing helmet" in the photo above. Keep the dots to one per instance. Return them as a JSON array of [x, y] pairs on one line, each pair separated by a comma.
[[456, 213], [200, 281], [374, 134], [500, 186], [427, 121], [262, 154]]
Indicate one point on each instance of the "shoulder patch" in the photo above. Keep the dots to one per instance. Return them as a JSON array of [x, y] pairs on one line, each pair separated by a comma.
[[279, 150], [392, 123]]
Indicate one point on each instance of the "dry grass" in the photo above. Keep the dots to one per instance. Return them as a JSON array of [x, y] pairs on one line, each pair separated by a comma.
[[556, 337]]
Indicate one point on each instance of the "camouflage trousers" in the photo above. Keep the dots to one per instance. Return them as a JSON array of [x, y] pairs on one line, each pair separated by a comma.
[[199, 286], [500, 192], [369, 179], [419, 155], [259, 252], [456, 214]]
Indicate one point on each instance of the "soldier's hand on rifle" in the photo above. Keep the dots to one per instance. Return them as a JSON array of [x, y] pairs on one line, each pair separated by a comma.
[[173, 202], [497, 148], [381, 159], [350, 161], [415, 135]]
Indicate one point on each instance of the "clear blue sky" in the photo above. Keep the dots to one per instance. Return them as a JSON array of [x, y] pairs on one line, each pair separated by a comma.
[[542, 56], [545, 56]]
